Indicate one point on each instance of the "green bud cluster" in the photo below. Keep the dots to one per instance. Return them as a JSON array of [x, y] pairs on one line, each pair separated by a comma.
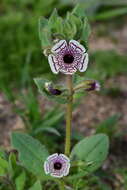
[[74, 26]]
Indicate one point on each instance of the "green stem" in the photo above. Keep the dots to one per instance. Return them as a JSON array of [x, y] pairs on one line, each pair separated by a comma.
[[61, 184], [69, 116], [85, 85]]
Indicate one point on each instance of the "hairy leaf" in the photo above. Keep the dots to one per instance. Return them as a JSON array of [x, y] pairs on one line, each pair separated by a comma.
[[3, 166], [20, 181], [91, 151], [36, 186], [32, 153]]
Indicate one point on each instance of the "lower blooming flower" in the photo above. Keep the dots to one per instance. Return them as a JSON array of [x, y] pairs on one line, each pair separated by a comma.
[[57, 165], [68, 57]]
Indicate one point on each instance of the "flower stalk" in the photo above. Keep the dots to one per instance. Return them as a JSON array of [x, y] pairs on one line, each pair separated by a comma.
[[69, 115], [61, 185]]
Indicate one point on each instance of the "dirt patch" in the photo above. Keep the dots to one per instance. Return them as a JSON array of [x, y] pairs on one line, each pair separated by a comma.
[[96, 107], [116, 39], [9, 121]]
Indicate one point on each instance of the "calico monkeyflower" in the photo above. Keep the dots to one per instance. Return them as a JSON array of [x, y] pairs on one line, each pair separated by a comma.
[[57, 165], [68, 57]]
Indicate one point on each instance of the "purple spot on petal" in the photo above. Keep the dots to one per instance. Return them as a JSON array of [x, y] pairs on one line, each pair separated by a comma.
[[54, 63], [82, 63], [77, 46], [59, 46]]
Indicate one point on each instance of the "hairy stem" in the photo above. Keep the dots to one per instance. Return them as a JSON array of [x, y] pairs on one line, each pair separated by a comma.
[[69, 116], [62, 186]]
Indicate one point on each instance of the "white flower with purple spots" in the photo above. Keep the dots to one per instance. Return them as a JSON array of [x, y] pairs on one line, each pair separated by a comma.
[[68, 57], [57, 165]]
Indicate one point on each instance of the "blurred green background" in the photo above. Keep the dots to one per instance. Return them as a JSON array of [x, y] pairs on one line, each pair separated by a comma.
[[21, 60]]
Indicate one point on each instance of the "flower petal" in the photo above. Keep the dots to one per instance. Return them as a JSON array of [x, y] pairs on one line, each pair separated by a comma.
[[66, 169], [98, 86], [68, 71], [84, 63], [53, 64], [60, 46], [52, 157], [46, 167], [74, 45], [64, 157], [56, 175]]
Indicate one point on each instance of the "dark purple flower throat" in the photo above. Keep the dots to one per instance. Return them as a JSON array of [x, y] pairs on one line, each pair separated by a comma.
[[57, 165], [68, 58]]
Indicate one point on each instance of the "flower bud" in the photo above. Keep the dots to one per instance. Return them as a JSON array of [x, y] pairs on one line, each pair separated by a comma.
[[88, 85], [45, 52], [51, 90], [93, 85], [55, 91]]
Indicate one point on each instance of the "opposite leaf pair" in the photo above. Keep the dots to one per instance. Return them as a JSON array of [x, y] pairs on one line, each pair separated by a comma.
[[91, 152]]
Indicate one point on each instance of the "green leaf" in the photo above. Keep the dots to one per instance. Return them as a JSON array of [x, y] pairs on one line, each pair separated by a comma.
[[84, 25], [53, 17], [32, 153], [79, 11], [47, 129], [36, 186], [40, 82], [74, 23], [3, 167], [2, 153], [77, 25], [85, 32], [56, 24], [59, 26], [54, 119], [92, 151], [44, 33], [69, 27], [20, 181], [12, 164]]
